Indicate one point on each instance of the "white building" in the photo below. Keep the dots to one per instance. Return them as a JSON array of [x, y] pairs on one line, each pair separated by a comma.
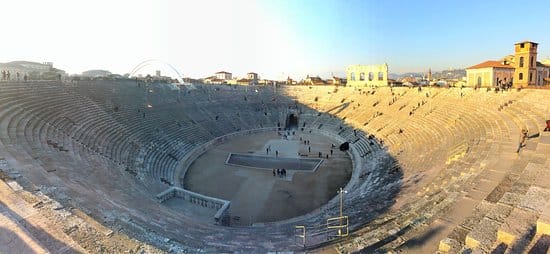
[[223, 75]]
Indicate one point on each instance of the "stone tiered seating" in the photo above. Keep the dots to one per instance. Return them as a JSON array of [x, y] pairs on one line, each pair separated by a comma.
[[429, 156]]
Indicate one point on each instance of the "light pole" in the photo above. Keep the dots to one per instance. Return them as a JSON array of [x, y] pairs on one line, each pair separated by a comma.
[[342, 191]]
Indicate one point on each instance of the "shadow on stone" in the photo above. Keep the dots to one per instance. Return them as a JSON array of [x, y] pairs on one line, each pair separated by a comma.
[[541, 246], [500, 249], [521, 244], [422, 239]]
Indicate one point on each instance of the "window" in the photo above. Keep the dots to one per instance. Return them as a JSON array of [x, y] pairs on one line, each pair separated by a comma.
[[522, 45], [371, 76], [362, 76], [520, 76], [521, 61], [380, 76], [479, 81], [352, 76], [532, 63], [530, 76]]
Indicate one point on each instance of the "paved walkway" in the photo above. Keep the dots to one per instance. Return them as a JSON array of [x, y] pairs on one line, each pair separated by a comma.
[[24, 230]]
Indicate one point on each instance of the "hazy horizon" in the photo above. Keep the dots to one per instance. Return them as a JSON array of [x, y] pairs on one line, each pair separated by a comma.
[[273, 38]]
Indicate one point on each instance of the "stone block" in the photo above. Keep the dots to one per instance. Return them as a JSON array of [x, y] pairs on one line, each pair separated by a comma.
[[477, 215], [535, 199], [500, 212], [448, 245], [458, 234], [519, 223], [471, 243], [543, 223], [543, 226], [510, 198], [483, 235]]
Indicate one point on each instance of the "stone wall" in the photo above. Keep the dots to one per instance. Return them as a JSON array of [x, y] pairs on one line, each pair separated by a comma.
[[222, 206]]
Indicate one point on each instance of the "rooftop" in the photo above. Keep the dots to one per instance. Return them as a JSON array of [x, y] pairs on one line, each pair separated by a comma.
[[526, 42], [490, 64]]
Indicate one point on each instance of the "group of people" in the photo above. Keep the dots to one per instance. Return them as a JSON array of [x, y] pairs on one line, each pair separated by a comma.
[[326, 155], [6, 75], [279, 172]]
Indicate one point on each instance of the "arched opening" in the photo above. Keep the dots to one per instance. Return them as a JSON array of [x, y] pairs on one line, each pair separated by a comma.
[[521, 60], [292, 121]]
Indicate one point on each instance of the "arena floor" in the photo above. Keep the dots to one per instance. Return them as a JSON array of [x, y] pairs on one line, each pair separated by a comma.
[[256, 195]]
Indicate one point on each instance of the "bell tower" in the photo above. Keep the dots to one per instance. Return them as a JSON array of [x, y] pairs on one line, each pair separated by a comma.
[[525, 64]]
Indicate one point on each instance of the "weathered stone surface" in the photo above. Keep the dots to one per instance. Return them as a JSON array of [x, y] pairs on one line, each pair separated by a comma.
[[483, 235], [477, 215], [449, 245], [517, 224], [511, 198], [535, 199], [500, 212], [543, 223]]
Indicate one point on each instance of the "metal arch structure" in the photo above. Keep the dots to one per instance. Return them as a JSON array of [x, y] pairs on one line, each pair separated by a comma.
[[155, 61]]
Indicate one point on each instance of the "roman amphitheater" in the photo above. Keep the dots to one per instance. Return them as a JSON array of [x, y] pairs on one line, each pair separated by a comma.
[[132, 167]]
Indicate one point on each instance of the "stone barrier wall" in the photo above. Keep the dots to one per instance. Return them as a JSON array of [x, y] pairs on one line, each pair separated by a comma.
[[220, 205]]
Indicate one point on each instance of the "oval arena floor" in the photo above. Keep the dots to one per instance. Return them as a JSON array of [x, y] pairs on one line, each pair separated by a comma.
[[438, 170]]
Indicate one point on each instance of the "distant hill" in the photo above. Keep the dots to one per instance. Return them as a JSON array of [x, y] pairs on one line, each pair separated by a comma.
[[398, 76], [447, 74]]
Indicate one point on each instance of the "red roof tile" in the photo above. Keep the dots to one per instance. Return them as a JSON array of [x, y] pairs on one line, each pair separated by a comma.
[[489, 64]]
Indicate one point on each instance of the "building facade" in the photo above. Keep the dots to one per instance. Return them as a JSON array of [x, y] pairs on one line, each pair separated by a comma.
[[223, 75], [252, 76], [19, 70], [543, 74], [367, 75], [522, 65], [489, 74], [96, 73], [525, 63]]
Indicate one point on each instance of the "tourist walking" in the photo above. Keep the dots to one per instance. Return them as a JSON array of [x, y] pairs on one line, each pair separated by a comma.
[[523, 137]]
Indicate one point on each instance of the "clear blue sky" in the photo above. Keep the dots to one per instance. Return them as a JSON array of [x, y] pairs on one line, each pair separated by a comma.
[[275, 38], [416, 35]]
